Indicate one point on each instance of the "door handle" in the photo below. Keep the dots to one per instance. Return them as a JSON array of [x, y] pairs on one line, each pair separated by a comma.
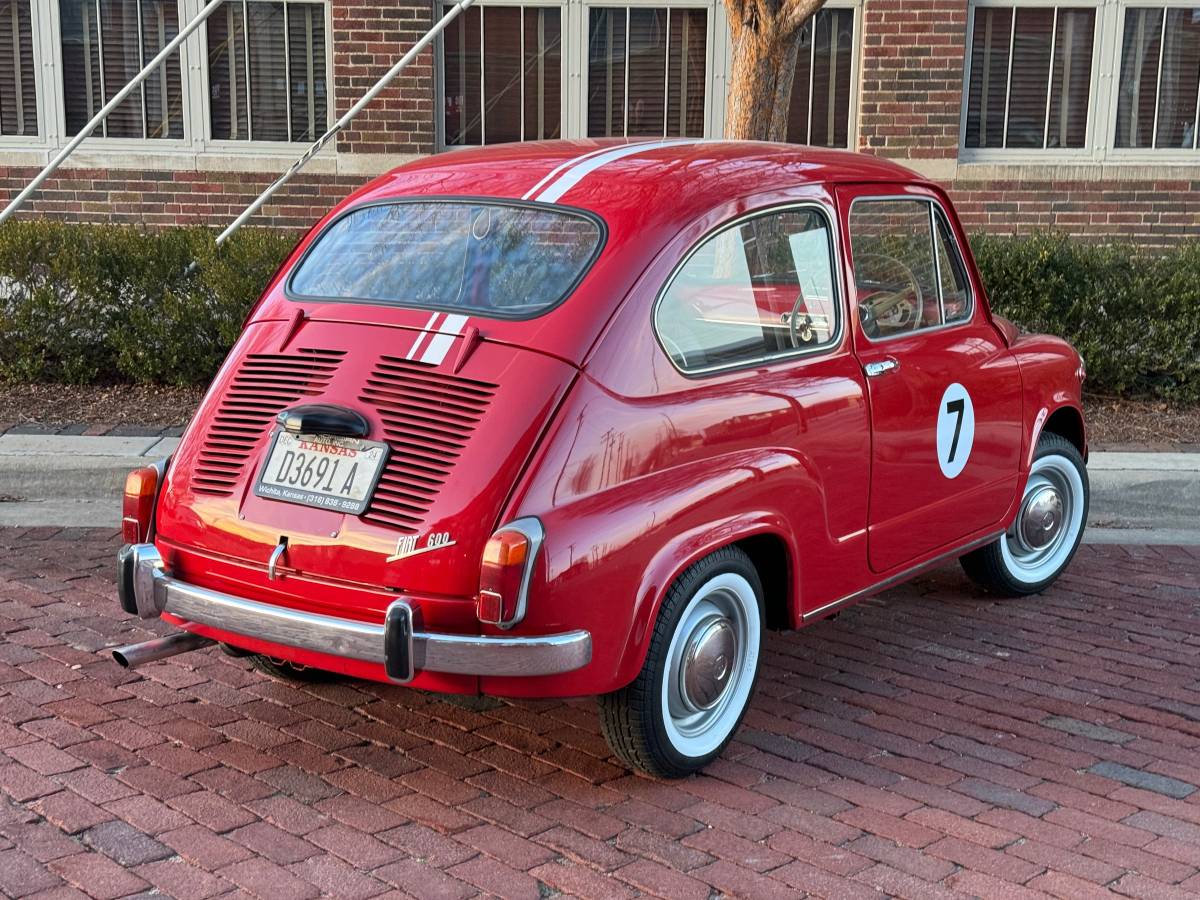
[[882, 367]]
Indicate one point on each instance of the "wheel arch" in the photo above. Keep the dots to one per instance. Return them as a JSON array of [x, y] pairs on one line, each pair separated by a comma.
[[762, 536], [1067, 423]]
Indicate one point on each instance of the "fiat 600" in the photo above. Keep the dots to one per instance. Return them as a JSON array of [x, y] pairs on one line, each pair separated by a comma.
[[589, 418]]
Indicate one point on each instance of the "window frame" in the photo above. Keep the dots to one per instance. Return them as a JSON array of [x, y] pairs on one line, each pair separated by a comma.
[[856, 49], [1099, 144], [439, 61], [935, 207], [459, 200], [204, 113], [1091, 144], [837, 338], [1142, 155]]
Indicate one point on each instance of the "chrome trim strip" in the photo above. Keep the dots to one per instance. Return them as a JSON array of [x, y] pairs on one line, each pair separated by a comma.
[[900, 576], [157, 591]]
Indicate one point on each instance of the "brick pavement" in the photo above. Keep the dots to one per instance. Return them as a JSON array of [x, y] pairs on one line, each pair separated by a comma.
[[928, 743]]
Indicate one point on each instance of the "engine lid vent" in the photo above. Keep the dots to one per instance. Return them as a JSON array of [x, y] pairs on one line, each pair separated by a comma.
[[264, 384], [428, 418]]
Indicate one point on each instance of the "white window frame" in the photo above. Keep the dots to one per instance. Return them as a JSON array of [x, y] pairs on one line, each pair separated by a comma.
[[1103, 98], [1091, 149], [195, 150], [575, 18], [439, 92], [42, 44], [202, 123], [855, 51], [1141, 155]]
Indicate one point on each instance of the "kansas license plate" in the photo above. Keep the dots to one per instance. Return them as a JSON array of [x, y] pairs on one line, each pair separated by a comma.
[[327, 472]]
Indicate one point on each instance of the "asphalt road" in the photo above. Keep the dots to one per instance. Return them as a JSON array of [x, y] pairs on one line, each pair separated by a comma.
[[1137, 498]]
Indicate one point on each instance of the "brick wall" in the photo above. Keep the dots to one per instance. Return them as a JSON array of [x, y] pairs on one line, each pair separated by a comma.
[[911, 77], [158, 198], [1153, 212], [369, 36]]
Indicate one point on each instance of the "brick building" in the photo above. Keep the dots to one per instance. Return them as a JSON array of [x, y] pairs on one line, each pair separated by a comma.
[[1080, 117]]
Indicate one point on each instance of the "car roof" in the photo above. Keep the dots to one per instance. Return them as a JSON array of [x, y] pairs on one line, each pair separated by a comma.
[[673, 178]]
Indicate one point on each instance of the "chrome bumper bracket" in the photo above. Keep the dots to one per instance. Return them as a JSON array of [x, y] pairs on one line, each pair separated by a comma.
[[396, 644]]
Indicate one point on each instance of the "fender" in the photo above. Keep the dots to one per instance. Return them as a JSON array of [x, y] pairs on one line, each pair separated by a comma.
[[609, 557], [687, 548]]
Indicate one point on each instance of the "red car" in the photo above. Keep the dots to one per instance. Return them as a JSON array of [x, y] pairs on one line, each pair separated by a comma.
[[571, 418]]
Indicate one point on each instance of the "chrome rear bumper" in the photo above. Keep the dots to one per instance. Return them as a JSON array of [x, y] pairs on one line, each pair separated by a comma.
[[146, 589]]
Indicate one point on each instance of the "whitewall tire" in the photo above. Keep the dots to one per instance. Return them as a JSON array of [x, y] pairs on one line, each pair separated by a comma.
[[700, 670], [1047, 529]]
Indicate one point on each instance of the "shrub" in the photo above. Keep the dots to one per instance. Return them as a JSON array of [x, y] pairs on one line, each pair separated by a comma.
[[83, 303], [1134, 314], [112, 303]]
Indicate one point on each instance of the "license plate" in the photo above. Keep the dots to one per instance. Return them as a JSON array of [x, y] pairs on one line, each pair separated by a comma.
[[327, 472]]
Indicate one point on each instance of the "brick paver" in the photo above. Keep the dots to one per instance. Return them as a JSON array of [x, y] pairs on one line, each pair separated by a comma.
[[931, 742]]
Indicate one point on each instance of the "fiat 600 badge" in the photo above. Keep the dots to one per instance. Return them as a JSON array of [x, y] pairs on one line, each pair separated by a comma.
[[589, 418]]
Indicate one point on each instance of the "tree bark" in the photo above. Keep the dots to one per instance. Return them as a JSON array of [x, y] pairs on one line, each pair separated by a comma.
[[766, 41]]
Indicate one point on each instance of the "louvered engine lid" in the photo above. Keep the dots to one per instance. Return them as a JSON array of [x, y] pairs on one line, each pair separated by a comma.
[[456, 444]]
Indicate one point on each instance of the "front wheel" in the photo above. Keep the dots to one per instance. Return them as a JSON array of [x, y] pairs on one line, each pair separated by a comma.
[[699, 674], [1048, 527]]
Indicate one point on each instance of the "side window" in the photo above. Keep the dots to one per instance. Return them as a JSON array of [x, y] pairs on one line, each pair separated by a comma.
[[907, 271], [758, 289]]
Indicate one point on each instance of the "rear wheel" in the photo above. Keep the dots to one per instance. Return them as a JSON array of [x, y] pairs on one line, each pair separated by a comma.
[[699, 674], [281, 668], [1048, 527]]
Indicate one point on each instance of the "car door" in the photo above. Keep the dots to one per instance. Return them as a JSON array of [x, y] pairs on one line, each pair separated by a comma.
[[944, 392]]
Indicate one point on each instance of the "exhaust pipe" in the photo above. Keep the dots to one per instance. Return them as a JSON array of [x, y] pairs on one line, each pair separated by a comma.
[[133, 655]]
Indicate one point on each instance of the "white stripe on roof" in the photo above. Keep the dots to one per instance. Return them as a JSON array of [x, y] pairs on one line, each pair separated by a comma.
[[578, 169]]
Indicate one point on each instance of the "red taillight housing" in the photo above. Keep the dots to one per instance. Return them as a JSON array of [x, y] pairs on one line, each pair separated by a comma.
[[137, 509], [505, 572]]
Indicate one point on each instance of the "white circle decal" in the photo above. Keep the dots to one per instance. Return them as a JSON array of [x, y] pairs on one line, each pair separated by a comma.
[[955, 430]]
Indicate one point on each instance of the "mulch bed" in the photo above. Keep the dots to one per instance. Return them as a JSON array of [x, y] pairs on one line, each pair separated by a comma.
[[1110, 420]]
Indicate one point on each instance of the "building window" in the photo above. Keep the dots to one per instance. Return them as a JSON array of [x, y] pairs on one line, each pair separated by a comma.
[[18, 93], [1159, 73], [820, 107], [646, 71], [1031, 77], [267, 71], [502, 75], [105, 43]]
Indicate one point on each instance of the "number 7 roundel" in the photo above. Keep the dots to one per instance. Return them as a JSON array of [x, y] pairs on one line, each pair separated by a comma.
[[955, 430]]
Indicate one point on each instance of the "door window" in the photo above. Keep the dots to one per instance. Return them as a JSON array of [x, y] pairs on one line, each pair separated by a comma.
[[908, 273], [757, 289]]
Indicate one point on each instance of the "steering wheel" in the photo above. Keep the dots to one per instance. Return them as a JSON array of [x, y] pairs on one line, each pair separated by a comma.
[[800, 328], [893, 311]]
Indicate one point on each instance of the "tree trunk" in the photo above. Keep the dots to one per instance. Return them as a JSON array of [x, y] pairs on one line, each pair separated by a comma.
[[766, 41]]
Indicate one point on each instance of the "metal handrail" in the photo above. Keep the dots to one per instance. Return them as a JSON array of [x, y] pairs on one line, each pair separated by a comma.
[[341, 123], [117, 99], [283, 179]]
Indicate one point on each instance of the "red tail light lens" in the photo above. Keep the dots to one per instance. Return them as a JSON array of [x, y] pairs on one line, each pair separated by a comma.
[[505, 571], [137, 509]]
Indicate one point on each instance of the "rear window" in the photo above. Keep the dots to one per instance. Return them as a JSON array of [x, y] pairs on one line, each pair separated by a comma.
[[482, 258]]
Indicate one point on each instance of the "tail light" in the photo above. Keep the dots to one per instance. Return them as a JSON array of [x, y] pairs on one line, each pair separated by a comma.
[[506, 570], [137, 510]]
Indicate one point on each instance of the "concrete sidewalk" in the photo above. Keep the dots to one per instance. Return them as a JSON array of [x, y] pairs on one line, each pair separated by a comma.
[[60, 480]]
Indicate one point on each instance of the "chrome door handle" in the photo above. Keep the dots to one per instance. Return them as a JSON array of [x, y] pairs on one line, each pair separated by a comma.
[[882, 367]]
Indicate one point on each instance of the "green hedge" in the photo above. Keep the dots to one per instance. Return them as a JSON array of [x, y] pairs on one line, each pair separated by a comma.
[[1134, 314], [85, 303]]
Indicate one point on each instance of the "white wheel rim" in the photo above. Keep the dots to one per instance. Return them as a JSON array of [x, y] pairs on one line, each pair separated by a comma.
[[1032, 559], [699, 720]]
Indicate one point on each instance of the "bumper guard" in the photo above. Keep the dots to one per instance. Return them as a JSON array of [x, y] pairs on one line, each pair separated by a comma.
[[147, 590]]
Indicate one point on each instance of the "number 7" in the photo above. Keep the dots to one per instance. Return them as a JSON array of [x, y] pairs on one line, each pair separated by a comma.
[[956, 407]]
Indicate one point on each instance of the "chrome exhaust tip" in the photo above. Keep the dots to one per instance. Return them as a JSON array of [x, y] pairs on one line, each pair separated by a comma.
[[133, 655]]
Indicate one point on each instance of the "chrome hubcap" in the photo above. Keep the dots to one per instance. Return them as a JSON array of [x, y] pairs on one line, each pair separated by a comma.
[[1041, 517], [1045, 521], [707, 665]]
